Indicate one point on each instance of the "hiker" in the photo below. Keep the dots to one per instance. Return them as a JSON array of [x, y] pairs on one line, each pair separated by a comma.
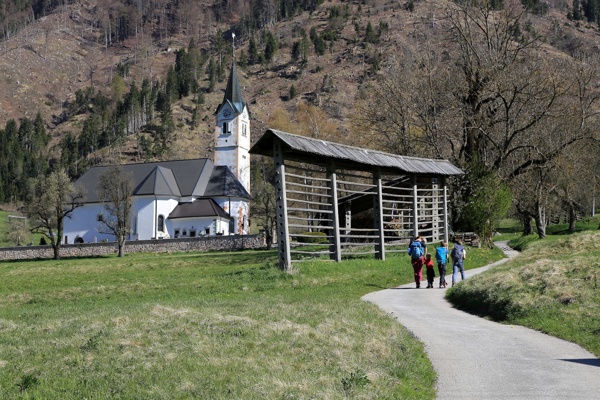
[[430, 270], [416, 250], [441, 256], [458, 255]]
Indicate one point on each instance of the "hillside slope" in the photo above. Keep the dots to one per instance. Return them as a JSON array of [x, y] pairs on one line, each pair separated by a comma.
[[44, 64]]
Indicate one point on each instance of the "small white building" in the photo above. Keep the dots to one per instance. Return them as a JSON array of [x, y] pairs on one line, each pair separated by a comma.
[[184, 198]]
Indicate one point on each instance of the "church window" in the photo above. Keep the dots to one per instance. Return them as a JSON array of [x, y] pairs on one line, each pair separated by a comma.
[[226, 128], [161, 223], [244, 130]]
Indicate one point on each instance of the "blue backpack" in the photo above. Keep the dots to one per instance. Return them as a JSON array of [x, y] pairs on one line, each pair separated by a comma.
[[441, 255], [415, 250], [457, 253]]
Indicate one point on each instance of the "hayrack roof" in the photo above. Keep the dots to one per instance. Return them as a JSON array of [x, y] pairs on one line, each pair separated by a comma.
[[300, 148]]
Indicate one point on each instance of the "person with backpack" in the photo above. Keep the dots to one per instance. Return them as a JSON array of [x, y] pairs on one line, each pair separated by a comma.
[[458, 255], [441, 256], [416, 251]]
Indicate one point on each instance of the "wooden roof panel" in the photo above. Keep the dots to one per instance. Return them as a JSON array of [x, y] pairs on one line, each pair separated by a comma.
[[300, 147]]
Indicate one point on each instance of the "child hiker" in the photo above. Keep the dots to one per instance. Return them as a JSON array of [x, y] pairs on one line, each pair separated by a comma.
[[430, 270], [441, 256]]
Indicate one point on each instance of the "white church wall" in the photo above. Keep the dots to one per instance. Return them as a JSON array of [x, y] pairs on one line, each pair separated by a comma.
[[144, 214], [148, 211], [240, 211], [195, 227], [84, 224]]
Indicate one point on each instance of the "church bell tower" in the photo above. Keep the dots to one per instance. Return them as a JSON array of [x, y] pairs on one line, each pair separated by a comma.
[[232, 131]]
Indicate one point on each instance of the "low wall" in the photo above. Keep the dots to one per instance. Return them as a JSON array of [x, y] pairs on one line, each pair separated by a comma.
[[229, 243]]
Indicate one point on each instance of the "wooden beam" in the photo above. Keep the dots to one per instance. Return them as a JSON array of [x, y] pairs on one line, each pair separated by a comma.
[[335, 247], [283, 232], [446, 236], [415, 210], [378, 214]]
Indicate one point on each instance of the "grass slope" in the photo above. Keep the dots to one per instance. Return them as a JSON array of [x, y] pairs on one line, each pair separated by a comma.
[[552, 286], [214, 325]]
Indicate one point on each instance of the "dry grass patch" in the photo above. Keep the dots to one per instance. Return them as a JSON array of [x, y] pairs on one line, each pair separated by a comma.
[[552, 286]]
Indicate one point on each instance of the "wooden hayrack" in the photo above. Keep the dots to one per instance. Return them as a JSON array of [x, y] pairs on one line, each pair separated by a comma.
[[335, 201]]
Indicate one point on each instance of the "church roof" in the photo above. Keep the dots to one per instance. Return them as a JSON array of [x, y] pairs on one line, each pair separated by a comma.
[[160, 181], [233, 92], [199, 208], [222, 183], [300, 148], [181, 178]]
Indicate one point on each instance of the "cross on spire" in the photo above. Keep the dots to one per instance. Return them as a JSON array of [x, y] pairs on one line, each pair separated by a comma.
[[233, 44]]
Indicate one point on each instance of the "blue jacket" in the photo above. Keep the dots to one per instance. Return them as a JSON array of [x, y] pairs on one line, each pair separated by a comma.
[[441, 255]]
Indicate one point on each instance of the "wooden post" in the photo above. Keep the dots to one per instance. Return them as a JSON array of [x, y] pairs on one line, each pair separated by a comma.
[[415, 211], [335, 247], [378, 215], [435, 209], [446, 236], [348, 220], [283, 232]]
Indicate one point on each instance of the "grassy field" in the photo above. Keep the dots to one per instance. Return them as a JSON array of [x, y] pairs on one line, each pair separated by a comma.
[[552, 286], [214, 325], [5, 239]]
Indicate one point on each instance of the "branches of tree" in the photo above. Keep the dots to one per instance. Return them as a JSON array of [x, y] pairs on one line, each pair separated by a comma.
[[491, 104], [51, 199], [116, 188]]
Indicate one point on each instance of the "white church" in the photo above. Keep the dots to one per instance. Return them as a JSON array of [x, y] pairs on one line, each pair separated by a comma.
[[185, 198]]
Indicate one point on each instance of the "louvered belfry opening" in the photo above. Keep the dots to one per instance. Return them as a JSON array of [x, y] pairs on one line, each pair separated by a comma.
[[336, 202]]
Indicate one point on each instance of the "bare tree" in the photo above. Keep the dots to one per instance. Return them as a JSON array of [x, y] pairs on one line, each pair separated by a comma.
[[18, 230], [487, 100], [115, 186], [263, 208], [53, 199]]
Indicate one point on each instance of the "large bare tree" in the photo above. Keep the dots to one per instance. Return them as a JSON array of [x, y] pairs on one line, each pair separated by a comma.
[[489, 100], [52, 199], [115, 187]]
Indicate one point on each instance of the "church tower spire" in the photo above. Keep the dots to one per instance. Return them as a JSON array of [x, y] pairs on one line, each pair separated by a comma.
[[232, 131], [232, 142]]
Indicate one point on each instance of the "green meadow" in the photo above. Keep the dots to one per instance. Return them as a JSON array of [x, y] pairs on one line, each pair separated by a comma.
[[206, 325]]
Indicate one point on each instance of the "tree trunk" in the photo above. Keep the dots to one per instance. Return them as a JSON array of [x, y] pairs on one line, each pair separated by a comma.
[[540, 220], [572, 218], [269, 238], [56, 250], [527, 227], [121, 245]]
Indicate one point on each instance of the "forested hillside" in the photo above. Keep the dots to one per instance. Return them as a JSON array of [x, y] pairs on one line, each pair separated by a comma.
[[507, 90]]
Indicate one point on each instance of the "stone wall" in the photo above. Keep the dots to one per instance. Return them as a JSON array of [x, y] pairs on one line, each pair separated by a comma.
[[228, 243]]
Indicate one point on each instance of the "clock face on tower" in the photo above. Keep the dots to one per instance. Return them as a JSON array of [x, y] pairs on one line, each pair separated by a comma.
[[227, 112]]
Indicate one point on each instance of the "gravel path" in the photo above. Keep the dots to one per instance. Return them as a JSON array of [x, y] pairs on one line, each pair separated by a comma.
[[479, 359]]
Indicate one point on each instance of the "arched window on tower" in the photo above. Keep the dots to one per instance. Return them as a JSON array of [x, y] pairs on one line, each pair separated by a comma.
[[226, 128], [161, 223]]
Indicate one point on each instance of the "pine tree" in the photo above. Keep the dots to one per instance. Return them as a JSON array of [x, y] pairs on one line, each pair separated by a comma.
[[271, 47], [211, 71]]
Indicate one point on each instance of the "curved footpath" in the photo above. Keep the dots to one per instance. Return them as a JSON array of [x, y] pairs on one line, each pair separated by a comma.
[[479, 359]]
